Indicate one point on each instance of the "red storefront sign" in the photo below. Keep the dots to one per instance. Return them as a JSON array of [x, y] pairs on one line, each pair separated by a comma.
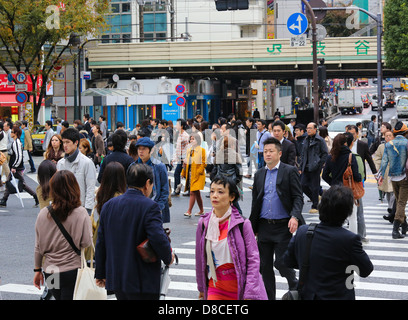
[[8, 92]]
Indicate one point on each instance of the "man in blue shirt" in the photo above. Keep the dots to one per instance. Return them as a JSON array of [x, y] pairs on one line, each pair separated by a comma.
[[277, 202]]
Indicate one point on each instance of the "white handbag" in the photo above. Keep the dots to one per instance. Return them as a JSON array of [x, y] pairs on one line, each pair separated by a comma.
[[85, 286]]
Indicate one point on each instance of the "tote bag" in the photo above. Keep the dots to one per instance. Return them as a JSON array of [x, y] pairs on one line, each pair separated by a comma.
[[85, 285]]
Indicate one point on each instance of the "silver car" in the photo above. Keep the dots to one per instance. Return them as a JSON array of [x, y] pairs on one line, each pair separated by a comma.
[[402, 107]]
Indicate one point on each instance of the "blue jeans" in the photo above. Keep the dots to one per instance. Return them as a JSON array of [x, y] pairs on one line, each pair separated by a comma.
[[177, 172], [261, 162]]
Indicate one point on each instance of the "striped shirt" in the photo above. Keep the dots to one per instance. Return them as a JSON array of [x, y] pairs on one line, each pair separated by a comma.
[[16, 155], [181, 147]]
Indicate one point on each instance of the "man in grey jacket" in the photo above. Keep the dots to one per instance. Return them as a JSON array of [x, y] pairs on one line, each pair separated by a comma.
[[81, 166]]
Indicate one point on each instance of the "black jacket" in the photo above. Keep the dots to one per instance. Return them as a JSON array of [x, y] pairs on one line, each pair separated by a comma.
[[119, 156], [288, 188], [364, 153], [314, 154], [333, 171], [288, 152], [334, 254]]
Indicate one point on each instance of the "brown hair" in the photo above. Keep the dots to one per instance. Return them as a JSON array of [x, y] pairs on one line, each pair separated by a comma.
[[86, 145], [65, 193], [50, 154], [113, 181]]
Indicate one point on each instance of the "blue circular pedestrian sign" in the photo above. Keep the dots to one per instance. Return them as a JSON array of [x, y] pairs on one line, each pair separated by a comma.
[[180, 101], [297, 23], [21, 97], [180, 88]]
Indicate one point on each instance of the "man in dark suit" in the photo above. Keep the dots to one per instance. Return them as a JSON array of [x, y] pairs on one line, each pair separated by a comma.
[[335, 253], [125, 222], [361, 148], [288, 148], [277, 202]]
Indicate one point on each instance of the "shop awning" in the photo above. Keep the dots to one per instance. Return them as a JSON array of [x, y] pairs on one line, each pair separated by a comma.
[[8, 100]]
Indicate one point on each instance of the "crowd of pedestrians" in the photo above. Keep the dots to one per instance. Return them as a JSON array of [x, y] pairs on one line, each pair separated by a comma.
[[120, 179]]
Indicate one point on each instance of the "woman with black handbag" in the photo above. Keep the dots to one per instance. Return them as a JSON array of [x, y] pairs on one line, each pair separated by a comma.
[[17, 168]]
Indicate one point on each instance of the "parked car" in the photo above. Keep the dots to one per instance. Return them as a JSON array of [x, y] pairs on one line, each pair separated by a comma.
[[38, 135], [402, 107], [339, 125]]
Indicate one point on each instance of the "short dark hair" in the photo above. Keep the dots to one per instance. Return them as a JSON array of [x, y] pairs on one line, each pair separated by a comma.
[[86, 116], [373, 117], [349, 138], [49, 122], [137, 175], [352, 126], [17, 131], [261, 121], [183, 123], [278, 123], [120, 125], [225, 181], [336, 205], [119, 140], [71, 134], [276, 142]]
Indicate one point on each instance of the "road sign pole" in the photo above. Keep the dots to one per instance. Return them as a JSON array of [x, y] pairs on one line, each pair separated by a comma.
[[315, 80]]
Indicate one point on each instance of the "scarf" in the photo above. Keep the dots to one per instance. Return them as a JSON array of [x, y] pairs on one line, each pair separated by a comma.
[[213, 234], [71, 157]]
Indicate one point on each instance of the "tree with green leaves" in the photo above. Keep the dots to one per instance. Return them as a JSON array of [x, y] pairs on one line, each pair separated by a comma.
[[35, 36], [396, 34]]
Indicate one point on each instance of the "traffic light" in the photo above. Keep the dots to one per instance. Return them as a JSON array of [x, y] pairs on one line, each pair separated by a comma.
[[321, 74], [224, 5]]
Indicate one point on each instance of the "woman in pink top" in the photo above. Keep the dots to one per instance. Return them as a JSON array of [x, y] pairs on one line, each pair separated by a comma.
[[53, 254], [227, 256]]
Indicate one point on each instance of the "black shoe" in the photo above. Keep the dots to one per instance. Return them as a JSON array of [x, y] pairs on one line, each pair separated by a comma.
[[175, 194], [395, 230], [32, 171], [3, 203], [37, 203], [404, 228]]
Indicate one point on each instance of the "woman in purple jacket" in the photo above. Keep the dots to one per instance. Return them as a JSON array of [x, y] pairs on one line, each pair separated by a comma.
[[227, 256]]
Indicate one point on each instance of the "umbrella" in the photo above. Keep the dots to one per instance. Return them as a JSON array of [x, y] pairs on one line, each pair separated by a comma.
[[165, 279], [15, 184]]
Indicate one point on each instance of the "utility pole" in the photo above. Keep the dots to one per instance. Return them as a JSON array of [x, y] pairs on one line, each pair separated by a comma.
[[315, 77], [378, 19]]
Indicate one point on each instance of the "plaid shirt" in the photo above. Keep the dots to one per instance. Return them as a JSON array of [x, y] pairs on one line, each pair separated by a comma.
[[181, 147]]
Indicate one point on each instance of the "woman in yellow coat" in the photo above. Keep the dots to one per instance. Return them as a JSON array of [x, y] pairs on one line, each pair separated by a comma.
[[194, 172]]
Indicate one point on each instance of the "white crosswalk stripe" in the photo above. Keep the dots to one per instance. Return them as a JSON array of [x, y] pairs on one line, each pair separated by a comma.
[[389, 280], [386, 254]]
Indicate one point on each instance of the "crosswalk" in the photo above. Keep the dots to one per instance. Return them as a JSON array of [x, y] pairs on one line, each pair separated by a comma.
[[389, 280]]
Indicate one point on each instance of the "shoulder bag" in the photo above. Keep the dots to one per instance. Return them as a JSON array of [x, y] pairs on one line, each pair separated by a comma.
[[348, 181], [64, 232], [304, 270]]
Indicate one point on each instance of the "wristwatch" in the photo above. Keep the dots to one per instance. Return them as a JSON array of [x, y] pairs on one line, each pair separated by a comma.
[[38, 270]]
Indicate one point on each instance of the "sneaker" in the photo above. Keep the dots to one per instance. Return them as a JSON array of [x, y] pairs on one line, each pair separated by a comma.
[[178, 189]]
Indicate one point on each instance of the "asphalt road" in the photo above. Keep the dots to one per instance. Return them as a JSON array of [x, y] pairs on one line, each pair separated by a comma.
[[388, 281]]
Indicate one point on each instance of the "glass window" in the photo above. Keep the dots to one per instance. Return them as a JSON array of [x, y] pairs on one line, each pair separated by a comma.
[[115, 20], [125, 7], [160, 22], [116, 38], [126, 38], [115, 7], [105, 38], [126, 20], [148, 22]]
